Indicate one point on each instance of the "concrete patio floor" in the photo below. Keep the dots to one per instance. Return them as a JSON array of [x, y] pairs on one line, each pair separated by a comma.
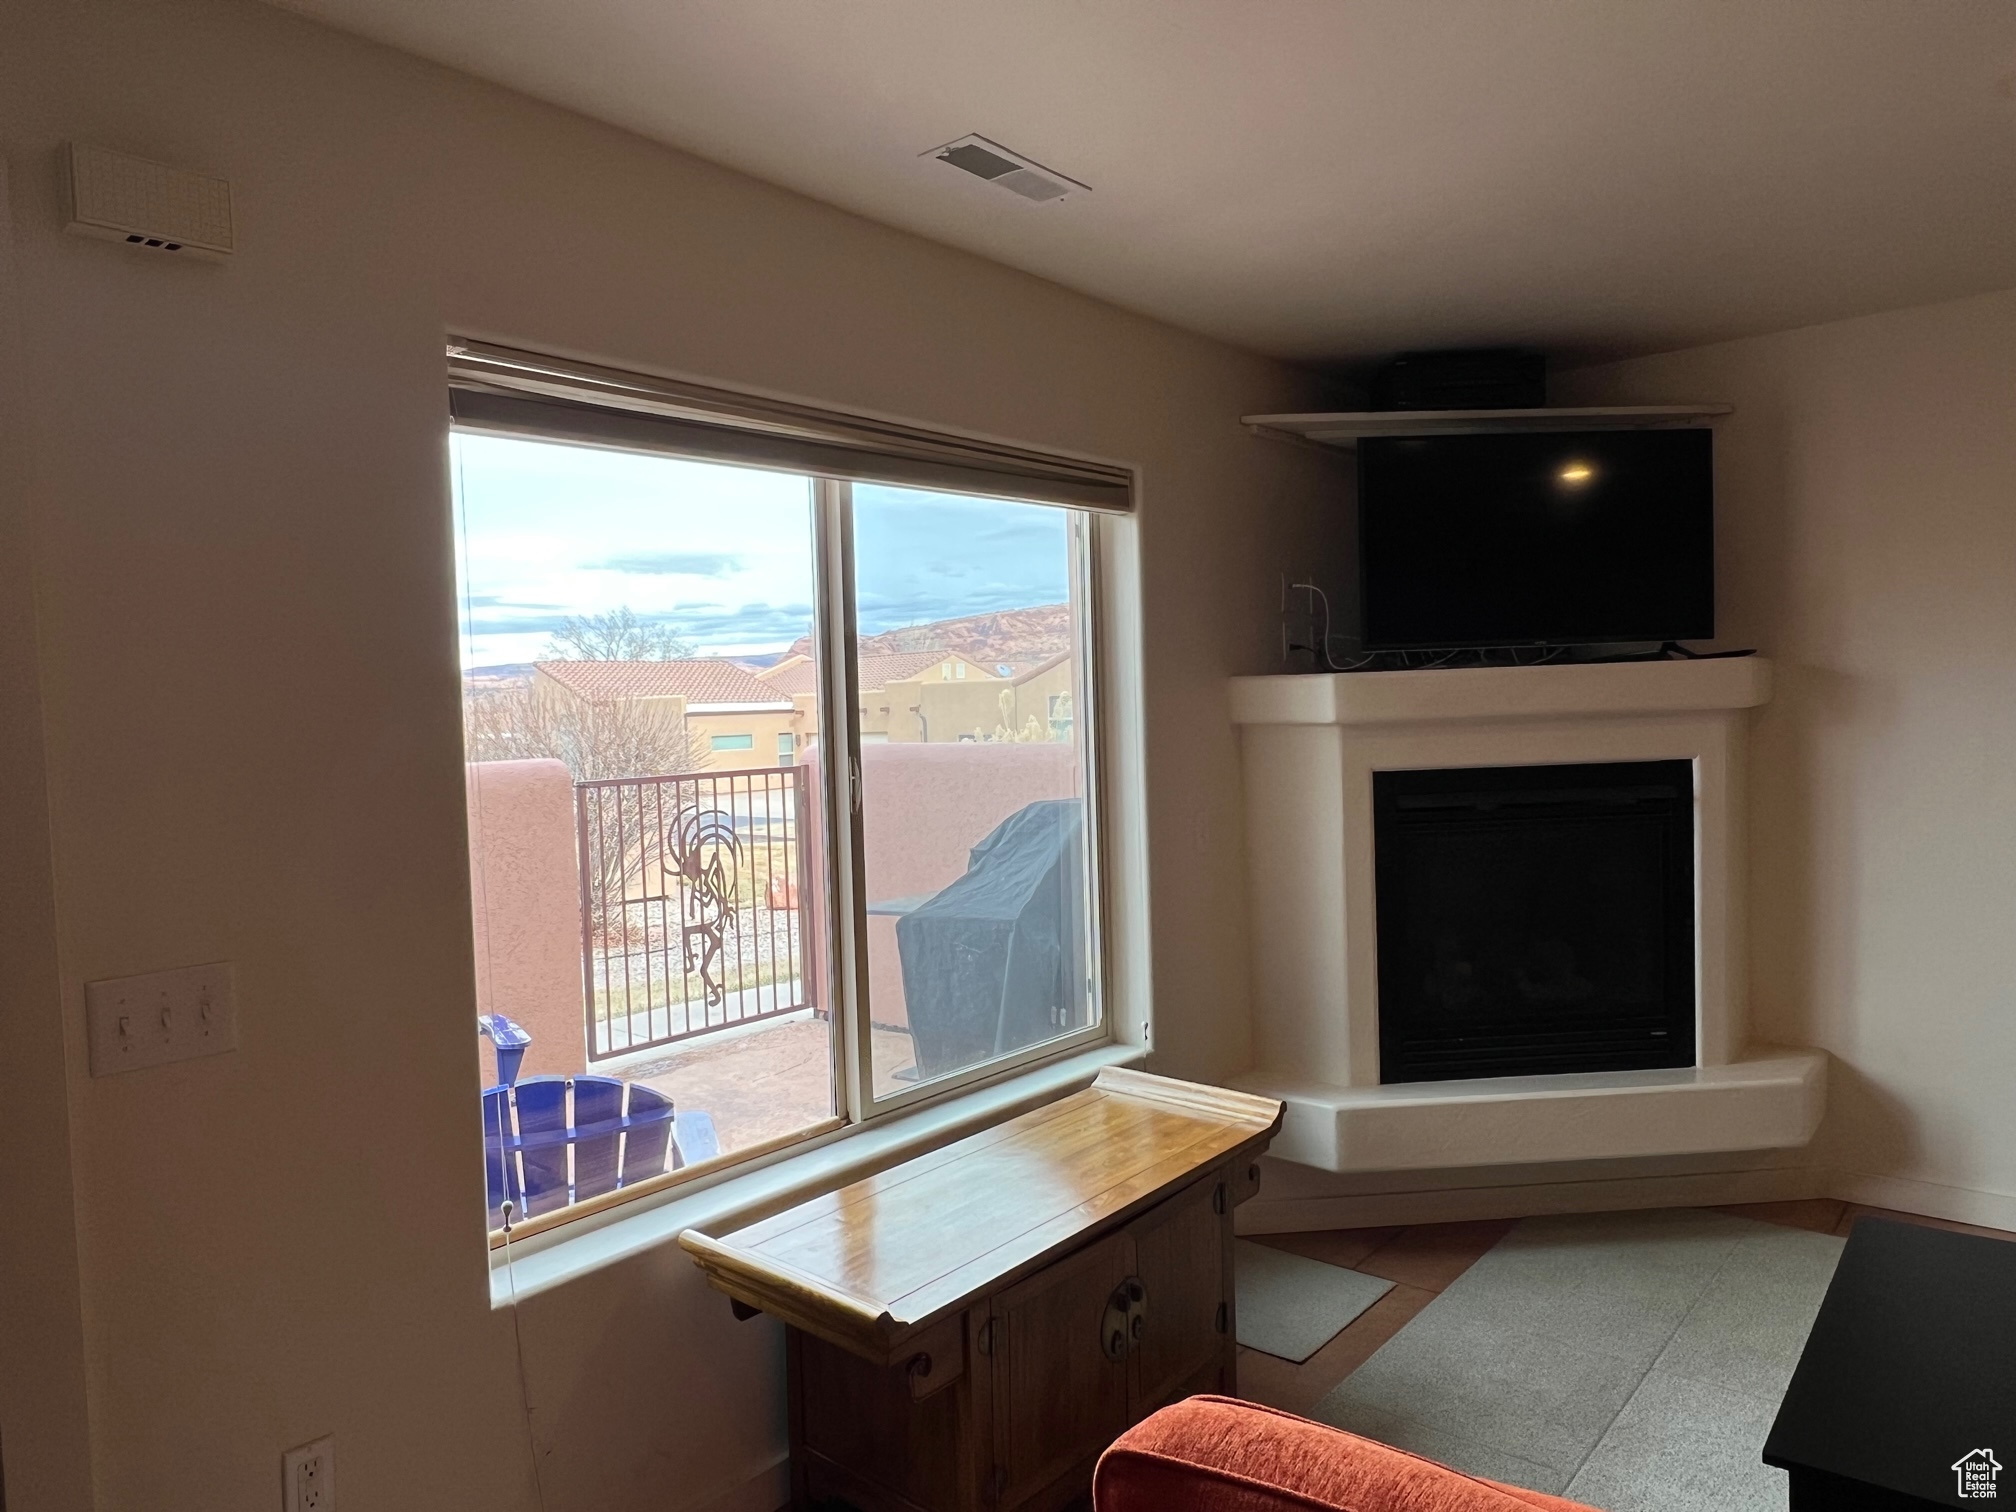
[[763, 1082]]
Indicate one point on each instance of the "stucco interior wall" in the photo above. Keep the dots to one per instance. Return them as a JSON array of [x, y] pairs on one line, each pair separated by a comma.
[[245, 645], [1866, 540], [44, 1416]]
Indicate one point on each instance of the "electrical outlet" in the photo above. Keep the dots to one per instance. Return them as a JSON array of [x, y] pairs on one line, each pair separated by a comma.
[[1301, 630], [308, 1477]]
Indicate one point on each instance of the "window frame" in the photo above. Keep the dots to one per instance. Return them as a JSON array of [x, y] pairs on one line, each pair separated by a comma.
[[855, 1098], [855, 1105]]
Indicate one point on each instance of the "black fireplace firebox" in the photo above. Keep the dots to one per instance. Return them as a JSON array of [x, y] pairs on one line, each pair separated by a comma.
[[1535, 919]]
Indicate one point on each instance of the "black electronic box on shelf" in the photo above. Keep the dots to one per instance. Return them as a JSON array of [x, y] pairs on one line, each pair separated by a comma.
[[1494, 379]]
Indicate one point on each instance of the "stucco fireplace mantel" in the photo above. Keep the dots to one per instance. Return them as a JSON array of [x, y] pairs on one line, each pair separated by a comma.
[[1463, 695], [1310, 745]]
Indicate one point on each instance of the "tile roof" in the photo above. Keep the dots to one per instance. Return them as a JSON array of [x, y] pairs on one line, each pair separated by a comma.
[[701, 679], [791, 676], [1027, 670]]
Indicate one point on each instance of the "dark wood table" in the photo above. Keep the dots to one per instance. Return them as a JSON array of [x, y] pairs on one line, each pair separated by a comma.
[[1908, 1381]]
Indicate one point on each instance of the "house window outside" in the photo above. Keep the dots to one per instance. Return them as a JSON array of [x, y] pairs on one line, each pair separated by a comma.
[[658, 947]]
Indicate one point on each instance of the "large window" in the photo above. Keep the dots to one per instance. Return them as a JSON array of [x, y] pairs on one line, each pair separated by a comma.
[[782, 793]]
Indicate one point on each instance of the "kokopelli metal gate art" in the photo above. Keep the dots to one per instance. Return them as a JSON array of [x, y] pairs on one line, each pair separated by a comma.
[[702, 849], [691, 912]]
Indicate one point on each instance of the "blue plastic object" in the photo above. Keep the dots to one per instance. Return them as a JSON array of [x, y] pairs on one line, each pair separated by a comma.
[[694, 1139], [620, 1133], [510, 1037]]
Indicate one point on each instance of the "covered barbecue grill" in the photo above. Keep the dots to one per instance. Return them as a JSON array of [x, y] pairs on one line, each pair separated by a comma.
[[997, 960]]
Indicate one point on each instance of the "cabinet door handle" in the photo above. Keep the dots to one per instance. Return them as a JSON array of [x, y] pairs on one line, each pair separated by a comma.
[[1113, 1327], [1125, 1318]]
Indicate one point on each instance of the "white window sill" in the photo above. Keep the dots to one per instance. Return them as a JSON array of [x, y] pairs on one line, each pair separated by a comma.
[[737, 1197]]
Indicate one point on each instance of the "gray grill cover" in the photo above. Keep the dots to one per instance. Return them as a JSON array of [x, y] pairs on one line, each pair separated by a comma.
[[996, 961]]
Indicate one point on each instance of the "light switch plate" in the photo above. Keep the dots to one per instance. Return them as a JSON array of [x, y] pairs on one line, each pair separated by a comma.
[[163, 1016]]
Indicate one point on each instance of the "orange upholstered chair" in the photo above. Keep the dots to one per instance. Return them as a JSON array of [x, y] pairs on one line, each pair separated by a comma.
[[1212, 1454]]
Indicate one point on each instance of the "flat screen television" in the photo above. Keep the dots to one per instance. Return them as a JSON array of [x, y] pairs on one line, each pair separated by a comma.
[[1554, 538]]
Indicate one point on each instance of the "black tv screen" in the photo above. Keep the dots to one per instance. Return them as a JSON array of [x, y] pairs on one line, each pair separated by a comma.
[[1535, 539]]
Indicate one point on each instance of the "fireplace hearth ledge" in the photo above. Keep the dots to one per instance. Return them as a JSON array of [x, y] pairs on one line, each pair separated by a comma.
[[1770, 1099]]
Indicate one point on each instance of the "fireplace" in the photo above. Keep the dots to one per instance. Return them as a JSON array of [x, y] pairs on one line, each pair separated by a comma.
[[1534, 919], [1338, 884]]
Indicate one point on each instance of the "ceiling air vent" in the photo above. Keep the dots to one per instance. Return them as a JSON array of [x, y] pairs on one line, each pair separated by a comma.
[[1004, 169]]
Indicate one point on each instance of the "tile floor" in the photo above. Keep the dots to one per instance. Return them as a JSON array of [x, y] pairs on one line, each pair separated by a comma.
[[1537, 1364], [1422, 1260]]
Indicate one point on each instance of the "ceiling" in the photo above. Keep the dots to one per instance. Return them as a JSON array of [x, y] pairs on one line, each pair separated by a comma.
[[1339, 179]]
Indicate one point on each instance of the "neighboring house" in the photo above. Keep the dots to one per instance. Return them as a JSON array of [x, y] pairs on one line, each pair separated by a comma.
[[738, 721], [900, 691], [742, 719], [1010, 699]]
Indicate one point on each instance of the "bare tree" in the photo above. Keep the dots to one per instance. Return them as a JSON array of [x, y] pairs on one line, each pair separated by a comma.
[[615, 738], [628, 821], [620, 635]]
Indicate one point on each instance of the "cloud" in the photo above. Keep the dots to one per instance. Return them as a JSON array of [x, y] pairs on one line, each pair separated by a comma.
[[699, 624], [1037, 532], [515, 624], [742, 624], [506, 601], [675, 563], [877, 612]]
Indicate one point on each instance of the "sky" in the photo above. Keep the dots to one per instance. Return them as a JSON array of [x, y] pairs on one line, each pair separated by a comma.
[[722, 554]]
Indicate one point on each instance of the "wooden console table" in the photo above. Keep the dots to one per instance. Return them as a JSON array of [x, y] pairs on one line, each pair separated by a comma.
[[969, 1329]]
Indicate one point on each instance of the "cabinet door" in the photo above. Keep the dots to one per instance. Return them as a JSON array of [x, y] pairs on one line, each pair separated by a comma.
[[1183, 1259], [1059, 1398], [884, 1436]]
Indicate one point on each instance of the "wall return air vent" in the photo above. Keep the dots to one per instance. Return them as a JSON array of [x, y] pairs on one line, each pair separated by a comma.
[[1005, 170], [122, 198]]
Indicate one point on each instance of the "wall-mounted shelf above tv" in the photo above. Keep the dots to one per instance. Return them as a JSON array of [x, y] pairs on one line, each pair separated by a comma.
[[1344, 428]]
